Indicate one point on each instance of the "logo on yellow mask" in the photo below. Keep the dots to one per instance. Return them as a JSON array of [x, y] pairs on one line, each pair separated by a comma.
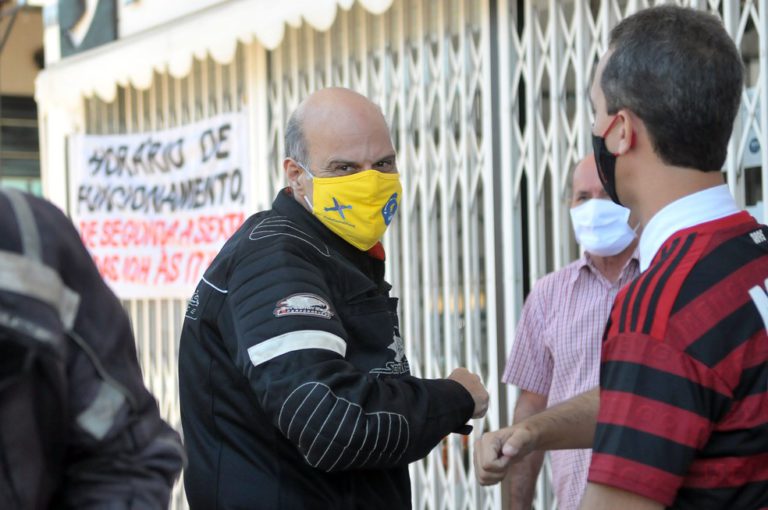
[[358, 207]]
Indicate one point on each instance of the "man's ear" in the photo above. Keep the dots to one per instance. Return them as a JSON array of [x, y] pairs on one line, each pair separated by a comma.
[[627, 131], [292, 173]]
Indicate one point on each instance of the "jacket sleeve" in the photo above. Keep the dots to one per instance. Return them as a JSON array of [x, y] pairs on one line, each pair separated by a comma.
[[120, 453], [291, 345]]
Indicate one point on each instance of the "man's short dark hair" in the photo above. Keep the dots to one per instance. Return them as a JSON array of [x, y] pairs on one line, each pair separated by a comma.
[[679, 71]]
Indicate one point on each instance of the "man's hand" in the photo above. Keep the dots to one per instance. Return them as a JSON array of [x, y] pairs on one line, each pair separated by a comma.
[[474, 386], [495, 451], [566, 426]]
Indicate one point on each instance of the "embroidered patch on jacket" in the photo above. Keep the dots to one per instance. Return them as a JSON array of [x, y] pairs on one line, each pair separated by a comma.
[[303, 304], [400, 365], [193, 305]]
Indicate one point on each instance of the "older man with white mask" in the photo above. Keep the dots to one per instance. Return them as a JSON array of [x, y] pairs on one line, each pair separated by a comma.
[[556, 353]]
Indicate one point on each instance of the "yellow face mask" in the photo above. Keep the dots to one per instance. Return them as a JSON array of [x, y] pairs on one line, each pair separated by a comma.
[[358, 207]]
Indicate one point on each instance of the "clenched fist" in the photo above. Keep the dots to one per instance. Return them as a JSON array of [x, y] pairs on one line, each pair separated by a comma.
[[475, 387], [495, 451]]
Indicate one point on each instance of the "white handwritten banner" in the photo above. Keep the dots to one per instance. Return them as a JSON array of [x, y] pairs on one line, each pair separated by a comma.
[[155, 208]]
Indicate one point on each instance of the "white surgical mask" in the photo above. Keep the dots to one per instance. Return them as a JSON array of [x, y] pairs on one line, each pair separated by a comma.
[[601, 227]]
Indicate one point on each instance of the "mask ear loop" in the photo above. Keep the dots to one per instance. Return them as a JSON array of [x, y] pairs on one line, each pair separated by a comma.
[[311, 178], [607, 130]]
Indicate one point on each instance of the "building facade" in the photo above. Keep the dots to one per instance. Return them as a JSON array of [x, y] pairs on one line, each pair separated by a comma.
[[21, 58], [487, 102]]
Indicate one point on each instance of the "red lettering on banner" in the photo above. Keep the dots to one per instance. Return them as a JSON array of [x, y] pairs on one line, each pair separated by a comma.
[[205, 229], [186, 235], [158, 252], [136, 269], [89, 233], [108, 266], [230, 223], [197, 262], [106, 233], [194, 265], [168, 270], [170, 232], [201, 234], [130, 231]]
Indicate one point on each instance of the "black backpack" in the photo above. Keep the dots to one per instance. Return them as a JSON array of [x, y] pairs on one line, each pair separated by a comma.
[[33, 382], [78, 428]]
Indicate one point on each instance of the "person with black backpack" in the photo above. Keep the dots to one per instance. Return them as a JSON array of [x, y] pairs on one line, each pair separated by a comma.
[[78, 428]]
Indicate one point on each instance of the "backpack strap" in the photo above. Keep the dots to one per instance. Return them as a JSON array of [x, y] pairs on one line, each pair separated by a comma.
[[26, 273], [30, 236]]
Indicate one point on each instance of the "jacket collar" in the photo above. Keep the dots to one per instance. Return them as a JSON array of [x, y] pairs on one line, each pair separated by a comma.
[[286, 205]]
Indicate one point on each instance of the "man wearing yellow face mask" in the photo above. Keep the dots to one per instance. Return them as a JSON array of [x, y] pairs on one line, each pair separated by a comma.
[[295, 388]]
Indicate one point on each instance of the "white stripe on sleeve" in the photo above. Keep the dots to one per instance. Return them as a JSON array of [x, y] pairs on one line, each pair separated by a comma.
[[296, 341]]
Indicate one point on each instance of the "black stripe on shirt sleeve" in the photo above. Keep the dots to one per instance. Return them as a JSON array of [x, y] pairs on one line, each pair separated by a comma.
[[717, 265], [736, 443], [642, 447], [753, 380], [725, 336], [662, 386], [751, 495]]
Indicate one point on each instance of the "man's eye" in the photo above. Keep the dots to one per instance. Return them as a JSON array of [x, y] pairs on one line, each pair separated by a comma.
[[344, 168], [385, 164]]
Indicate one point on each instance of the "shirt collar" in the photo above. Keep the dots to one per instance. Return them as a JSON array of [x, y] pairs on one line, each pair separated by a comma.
[[586, 263], [700, 207]]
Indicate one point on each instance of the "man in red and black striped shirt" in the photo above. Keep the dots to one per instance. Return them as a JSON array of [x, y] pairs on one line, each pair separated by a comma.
[[683, 404], [683, 399]]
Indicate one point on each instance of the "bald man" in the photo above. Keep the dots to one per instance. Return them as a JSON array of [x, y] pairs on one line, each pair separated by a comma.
[[556, 353], [295, 389]]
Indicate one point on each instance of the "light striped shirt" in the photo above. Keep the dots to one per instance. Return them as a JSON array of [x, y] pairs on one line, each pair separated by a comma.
[[557, 351]]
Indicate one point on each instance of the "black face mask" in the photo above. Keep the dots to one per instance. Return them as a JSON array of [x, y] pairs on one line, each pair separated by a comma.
[[606, 167]]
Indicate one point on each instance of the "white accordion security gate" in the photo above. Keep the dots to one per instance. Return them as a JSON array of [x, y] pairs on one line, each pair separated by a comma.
[[426, 64], [547, 50], [487, 101]]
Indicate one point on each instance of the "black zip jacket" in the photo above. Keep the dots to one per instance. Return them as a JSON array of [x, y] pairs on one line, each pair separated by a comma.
[[295, 389]]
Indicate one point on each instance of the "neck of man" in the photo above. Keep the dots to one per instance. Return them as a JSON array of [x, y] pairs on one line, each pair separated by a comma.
[[663, 184], [611, 267]]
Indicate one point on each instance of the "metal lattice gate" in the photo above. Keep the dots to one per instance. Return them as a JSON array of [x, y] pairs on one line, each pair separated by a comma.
[[547, 51], [487, 101], [427, 64]]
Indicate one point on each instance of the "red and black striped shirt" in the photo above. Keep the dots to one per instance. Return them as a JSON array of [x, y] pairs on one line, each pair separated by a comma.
[[684, 377]]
